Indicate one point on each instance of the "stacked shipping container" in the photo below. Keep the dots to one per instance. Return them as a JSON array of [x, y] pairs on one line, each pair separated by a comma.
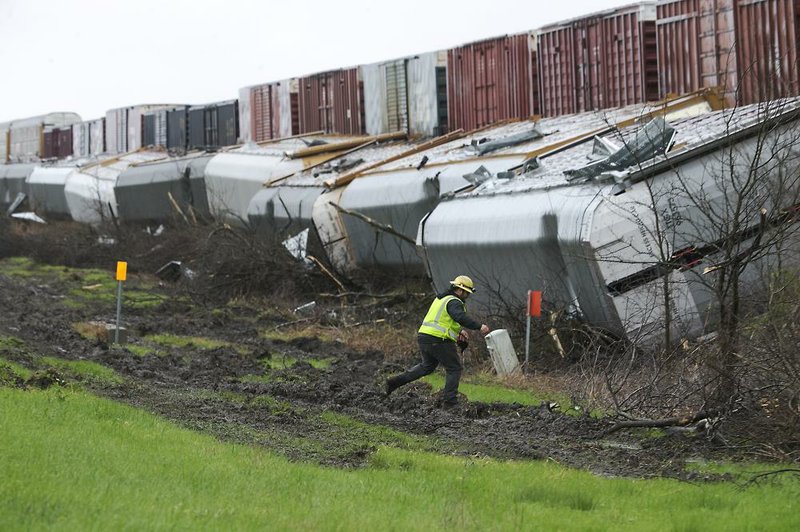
[[747, 47], [332, 102], [57, 143], [491, 80], [601, 61], [405, 95]]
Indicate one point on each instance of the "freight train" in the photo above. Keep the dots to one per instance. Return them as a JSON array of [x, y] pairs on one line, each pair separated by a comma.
[[386, 165]]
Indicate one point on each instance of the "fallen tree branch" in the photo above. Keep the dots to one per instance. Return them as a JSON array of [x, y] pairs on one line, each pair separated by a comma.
[[383, 227], [760, 476], [681, 421]]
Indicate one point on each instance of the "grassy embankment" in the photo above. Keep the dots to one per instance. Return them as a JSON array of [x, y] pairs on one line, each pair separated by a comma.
[[74, 461]]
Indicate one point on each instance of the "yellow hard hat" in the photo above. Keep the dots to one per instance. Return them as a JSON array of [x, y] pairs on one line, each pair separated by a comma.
[[463, 282]]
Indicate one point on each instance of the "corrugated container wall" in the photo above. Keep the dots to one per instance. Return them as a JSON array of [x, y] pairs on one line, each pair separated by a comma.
[[97, 136], [605, 60], [331, 102], [116, 130], [491, 80], [767, 49], [4, 148], [227, 123], [265, 112], [696, 46], [402, 95], [149, 130], [245, 116], [49, 144], [64, 142], [289, 104], [176, 128]]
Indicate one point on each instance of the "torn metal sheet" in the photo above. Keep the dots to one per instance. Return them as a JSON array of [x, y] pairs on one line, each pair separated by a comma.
[[611, 254]]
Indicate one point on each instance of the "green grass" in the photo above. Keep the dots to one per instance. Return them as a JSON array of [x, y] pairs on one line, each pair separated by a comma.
[[11, 371], [486, 393], [198, 342], [89, 463], [280, 361], [84, 370], [85, 285]]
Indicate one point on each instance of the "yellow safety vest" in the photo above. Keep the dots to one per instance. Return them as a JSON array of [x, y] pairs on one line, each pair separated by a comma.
[[438, 322]]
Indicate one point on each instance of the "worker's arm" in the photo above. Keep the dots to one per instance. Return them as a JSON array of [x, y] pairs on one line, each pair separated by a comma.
[[456, 310]]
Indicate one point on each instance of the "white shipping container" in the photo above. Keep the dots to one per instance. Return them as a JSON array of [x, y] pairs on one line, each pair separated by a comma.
[[3, 144], [285, 90], [97, 133], [26, 142], [245, 126]]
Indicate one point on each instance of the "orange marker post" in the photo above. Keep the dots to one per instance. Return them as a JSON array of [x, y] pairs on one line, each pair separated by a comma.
[[122, 275], [535, 310]]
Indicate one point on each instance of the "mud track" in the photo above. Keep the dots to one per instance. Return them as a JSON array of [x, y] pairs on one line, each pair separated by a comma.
[[207, 390]]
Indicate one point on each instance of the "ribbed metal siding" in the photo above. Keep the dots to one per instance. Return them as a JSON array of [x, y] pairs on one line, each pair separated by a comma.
[[227, 123], [396, 96], [265, 112], [64, 149], [489, 81], [81, 144], [245, 116], [4, 146], [331, 102], [598, 62], [767, 42], [176, 129], [97, 136], [196, 125], [161, 128], [49, 144], [696, 46], [149, 130]]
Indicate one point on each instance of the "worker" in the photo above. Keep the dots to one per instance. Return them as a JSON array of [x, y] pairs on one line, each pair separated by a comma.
[[437, 337]]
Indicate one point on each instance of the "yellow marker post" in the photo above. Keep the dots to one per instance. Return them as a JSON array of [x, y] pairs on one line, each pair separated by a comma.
[[122, 275]]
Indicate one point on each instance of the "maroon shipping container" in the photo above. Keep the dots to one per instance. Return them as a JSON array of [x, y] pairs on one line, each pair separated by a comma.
[[696, 46], [767, 49], [265, 112], [332, 102], [50, 144], [64, 149], [604, 60], [491, 80]]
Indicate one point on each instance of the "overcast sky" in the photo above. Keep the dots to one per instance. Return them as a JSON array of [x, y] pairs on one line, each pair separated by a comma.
[[89, 56]]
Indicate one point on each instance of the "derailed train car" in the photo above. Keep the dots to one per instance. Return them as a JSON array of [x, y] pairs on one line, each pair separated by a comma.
[[89, 191], [234, 177], [160, 190], [13, 181], [603, 226], [399, 194], [286, 207]]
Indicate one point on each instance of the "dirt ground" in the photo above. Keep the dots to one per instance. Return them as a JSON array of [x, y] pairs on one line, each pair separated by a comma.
[[230, 392]]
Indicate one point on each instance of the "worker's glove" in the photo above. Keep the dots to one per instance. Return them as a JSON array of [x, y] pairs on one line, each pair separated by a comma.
[[462, 341]]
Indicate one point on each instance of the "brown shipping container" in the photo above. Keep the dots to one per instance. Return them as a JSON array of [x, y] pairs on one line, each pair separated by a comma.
[[331, 102], [264, 112], [491, 80], [64, 142], [696, 46], [50, 144], [767, 49], [605, 60]]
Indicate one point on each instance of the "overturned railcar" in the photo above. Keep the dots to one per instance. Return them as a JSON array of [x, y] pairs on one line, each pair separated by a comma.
[[234, 177], [287, 207], [401, 193], [164, 189], [13, 181], [90, 190], [46, 191], [627, 228]]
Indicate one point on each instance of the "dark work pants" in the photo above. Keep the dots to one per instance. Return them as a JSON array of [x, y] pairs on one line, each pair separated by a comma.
[[435, 352]]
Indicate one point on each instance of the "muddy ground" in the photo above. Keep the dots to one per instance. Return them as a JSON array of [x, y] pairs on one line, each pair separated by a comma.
[[298, 410]]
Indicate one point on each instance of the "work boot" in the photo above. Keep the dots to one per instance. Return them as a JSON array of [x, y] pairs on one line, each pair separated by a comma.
[[391, 385]]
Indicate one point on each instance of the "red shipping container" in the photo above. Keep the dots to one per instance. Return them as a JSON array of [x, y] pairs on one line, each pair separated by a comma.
[[604, 60], [767, 49], [332, 102], [264, 112], [696, 46], [491, 80]]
